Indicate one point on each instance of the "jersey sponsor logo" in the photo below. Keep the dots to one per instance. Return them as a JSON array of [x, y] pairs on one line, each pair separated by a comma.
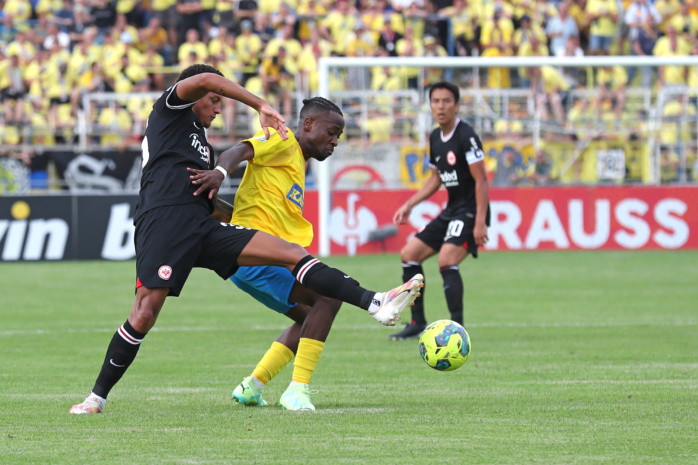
[[295, 195], [200, 147], [165, 272], [449, 178], [451, 158]]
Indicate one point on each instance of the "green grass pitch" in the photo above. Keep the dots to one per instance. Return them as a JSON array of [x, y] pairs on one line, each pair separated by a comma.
[[578, 358]]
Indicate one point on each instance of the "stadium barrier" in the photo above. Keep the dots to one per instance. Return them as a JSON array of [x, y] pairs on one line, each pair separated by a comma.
[[78, 227]]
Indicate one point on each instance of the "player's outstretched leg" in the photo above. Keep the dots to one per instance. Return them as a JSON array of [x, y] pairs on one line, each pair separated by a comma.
[[396, 300], [249, 393]]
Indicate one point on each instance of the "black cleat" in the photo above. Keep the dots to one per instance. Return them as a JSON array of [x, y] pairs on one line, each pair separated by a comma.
[[411, 331]]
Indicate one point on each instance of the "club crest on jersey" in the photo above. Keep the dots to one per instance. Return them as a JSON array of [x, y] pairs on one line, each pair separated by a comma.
[[165, 272], [451, 158], [295, 195], [200, 147]]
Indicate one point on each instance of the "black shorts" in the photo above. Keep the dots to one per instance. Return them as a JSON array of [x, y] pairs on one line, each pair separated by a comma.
[[172, 240], [9, 94], [452, 228]]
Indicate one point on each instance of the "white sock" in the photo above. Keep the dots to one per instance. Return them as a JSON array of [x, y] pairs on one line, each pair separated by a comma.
[[258, 382]]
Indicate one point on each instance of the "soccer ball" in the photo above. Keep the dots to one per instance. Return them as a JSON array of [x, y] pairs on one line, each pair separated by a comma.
[[444, 345]]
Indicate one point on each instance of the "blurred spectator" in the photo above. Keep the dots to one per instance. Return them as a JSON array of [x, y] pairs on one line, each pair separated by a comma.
[[64, 18], [685, 21], [103, 14], [55, 34], [245, 10], [672, 45], [7, 29], [226, 15], [193, 44], [509, 171], [361, 42], [282, 17], [560, 28], [432, 48], [189, 18], [495, 41], [643, 44], [155, 36], [549, 87], [13, 89], [541, 173], [166, 12], [249, 47], [19, 10], [309, 13], [533, 46], [667, 9], [410, 46], [612, 81], [285, 38], [276, 80], [669, 163], [465, 25], [389, 37], [337, 25], [81, 22], [524, 34], [603, 17]]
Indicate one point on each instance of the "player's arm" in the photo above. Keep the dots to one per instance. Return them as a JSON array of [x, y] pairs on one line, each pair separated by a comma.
[[229, 160], [196, 87], [428, 189], [482, 198]]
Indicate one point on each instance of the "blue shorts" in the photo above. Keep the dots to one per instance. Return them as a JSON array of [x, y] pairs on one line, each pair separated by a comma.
[[270, 285]]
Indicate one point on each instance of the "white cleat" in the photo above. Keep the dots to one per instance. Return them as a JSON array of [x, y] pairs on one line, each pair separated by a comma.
[[92, 404], [397, 300]]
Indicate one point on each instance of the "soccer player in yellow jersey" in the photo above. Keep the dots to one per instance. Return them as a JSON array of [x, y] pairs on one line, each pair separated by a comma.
[[270, 198]]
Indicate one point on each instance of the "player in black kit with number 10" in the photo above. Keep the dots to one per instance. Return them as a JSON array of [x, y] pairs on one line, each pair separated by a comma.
[[176, 230], [457, 162]]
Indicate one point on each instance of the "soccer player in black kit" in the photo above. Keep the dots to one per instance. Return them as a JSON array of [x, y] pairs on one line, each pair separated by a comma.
[[176, 229], [457, 162]]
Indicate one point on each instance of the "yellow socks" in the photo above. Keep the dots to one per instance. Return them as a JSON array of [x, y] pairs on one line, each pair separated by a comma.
[[309, 351], [276, 358]]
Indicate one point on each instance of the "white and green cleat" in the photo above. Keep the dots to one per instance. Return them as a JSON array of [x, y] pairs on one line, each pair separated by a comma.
[[297, 397], [248, 393]]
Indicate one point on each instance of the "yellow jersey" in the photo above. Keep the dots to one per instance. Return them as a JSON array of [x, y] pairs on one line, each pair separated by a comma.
[[271, 193]]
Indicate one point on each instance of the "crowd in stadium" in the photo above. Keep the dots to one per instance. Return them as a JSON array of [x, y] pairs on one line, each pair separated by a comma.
[[54, 51]]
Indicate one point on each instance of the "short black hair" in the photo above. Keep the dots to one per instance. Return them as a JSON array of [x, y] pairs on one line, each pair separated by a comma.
[[318, 104], [193, 70], [448, 86]]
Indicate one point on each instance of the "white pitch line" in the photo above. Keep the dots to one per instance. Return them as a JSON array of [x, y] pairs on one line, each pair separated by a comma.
[[184, 329]]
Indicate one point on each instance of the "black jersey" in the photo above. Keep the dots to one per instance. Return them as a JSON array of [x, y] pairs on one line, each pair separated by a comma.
[[452, 155], [174, 141]]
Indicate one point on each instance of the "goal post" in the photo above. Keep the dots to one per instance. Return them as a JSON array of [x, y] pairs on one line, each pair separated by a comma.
[[477, 88]]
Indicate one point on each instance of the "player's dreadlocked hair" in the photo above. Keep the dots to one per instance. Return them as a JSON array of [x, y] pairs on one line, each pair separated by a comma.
[[448, 86], [318, 104], [193, 70]]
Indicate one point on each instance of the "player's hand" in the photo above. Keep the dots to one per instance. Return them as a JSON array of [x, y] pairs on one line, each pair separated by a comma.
[[480, 233], [402, 215], [206, 179], [270, 118]]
